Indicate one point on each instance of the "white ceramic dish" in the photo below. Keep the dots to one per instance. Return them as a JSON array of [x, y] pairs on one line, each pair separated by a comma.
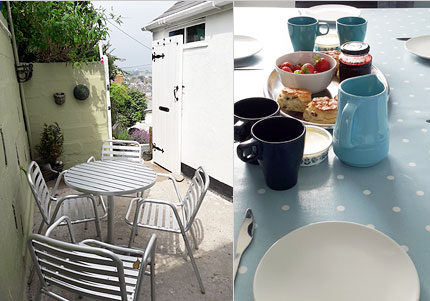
[[419, 46], [331, 12], [336, 261], [312, 82], [317, 145], [273, 86], [245, 46]]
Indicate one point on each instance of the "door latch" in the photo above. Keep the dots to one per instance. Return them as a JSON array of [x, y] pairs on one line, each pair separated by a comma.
[[175, 90], [155, 147], [157, 56]]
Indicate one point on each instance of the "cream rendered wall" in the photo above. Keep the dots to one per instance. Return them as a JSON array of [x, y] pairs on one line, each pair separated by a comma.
[[16, 203], [84, 123], [207, 103]]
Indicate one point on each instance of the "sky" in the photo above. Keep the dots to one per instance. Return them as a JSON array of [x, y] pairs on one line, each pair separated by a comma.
[[135, 15]]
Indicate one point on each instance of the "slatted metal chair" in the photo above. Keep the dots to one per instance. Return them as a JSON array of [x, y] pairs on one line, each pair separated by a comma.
[[171, 217], [126, 150], [120, 150], [81, 208], [91, 268]]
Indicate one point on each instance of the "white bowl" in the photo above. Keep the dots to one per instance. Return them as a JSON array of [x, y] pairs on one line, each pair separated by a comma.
[[313, 82], [317, 145]]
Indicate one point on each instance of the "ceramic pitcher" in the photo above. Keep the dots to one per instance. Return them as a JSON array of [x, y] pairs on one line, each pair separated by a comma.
[[361, 135]]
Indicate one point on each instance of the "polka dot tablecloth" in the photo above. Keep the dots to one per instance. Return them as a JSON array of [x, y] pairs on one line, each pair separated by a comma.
[[393, 196]]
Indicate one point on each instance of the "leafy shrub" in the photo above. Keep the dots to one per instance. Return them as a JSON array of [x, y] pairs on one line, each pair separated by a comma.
[[121, 134], [59, 31], [128, 105], [140, 136], [51, 143]]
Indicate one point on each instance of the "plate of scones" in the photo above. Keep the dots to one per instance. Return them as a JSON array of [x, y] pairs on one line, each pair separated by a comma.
[[317, 109]]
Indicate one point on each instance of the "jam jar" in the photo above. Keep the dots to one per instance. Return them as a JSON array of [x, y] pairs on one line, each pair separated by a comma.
[[354, 60]]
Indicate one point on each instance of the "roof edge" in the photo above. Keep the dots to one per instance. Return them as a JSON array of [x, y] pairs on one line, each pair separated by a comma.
[[191, 11]]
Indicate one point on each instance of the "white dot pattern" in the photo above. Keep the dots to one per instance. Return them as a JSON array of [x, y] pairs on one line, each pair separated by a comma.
[[340, 208], [340, 177], [427, 228], [261, 191], [396, 209], [242, 269], [367, 192], [419, 193], [391, 178], [285, 208], [371, 226]]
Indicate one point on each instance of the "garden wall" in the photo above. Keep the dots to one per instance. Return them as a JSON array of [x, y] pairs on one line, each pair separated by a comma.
[[84, 123], [16, 202]]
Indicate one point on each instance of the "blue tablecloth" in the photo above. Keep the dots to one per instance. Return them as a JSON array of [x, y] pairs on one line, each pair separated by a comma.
[[393, 196]]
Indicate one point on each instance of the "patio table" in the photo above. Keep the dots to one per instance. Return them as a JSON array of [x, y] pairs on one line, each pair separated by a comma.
[[393, 196], [110, 178]]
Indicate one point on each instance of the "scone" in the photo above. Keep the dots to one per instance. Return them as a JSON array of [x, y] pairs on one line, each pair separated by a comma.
[[292, 99], [321, 110]]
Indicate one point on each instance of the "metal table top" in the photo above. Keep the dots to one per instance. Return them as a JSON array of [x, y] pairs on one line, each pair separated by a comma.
[[111, 178], [393, 196]]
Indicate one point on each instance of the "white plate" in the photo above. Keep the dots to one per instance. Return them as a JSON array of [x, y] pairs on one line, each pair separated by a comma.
[[419, 46], [336, 261], [331, 12], [245, 46]]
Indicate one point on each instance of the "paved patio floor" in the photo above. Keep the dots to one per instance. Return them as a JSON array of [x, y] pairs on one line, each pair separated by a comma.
[[174, 276]]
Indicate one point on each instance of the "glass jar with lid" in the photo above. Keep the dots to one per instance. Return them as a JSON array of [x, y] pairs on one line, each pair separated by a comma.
[[354, 60]]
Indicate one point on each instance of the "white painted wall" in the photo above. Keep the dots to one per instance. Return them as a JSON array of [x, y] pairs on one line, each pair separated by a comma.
[[207, 110]]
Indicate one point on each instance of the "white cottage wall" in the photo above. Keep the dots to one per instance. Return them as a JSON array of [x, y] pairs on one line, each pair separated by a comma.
[[207, 109]]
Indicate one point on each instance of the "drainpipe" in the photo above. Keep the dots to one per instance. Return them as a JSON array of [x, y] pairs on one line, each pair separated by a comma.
[[21, 88]]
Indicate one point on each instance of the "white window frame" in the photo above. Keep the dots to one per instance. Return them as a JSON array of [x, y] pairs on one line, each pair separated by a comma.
[[184, 26]]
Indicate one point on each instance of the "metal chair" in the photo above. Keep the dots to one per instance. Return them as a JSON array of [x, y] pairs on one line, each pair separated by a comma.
[[81, 208], [91, 268], [120, 150], [126, 150], [172, 217]]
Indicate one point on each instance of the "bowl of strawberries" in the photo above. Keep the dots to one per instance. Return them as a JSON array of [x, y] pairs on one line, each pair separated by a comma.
[[308, 70]]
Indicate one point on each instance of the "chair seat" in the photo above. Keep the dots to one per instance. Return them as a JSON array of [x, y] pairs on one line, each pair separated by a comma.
[[79, 210], [155, 216]]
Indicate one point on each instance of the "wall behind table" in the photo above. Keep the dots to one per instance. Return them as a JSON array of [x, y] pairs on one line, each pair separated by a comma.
[[16, 202], [84, 123]]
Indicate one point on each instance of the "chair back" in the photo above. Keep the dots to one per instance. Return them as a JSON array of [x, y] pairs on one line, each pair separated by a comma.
[[39, 189], [194, 197], [81, 269], [121, 150]]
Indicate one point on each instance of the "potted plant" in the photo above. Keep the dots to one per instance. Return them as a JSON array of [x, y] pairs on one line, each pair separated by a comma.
[[50, 149]]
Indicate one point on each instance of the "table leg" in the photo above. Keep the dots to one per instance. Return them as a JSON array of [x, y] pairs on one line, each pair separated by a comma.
[[111, 205]]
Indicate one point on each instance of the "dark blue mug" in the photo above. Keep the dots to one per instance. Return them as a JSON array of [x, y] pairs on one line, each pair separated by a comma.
[[277, 143], [250, 110]]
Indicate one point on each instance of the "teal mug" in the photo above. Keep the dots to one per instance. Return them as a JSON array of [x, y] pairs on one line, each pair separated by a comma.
[[351, 29], [303, 32], [361, 134]]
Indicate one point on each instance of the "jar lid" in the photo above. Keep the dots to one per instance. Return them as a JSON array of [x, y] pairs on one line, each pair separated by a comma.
[[355, 48]]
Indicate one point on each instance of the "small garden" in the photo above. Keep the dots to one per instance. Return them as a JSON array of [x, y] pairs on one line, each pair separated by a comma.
[[70, 32]]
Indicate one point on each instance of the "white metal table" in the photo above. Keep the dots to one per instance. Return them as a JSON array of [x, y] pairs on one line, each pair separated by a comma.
[[110, 178]]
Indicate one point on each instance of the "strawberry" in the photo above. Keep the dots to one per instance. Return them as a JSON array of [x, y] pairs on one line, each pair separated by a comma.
[[287, 69], [299, 71], [297, 67], [286, 64], [321, 64], [308, 68]]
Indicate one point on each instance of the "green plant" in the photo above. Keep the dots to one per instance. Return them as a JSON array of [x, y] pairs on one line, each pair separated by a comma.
[[51, 143], [59, 31], [128, 105], [121, 134]]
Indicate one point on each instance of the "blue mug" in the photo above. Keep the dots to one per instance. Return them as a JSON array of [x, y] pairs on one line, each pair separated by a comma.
[[277, 143], [361, 135], [351, 29], [303, 32]]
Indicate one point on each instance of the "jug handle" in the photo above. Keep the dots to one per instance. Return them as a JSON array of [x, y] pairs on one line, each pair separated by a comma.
[[346, 120]]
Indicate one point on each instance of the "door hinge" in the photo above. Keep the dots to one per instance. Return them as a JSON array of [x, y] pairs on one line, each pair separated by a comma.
[[108, 87], [157, 56], [108, 107], [155, 147], [175, 90]]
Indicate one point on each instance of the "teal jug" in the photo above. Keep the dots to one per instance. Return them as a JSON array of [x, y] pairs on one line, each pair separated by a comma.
[[361, 135]]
